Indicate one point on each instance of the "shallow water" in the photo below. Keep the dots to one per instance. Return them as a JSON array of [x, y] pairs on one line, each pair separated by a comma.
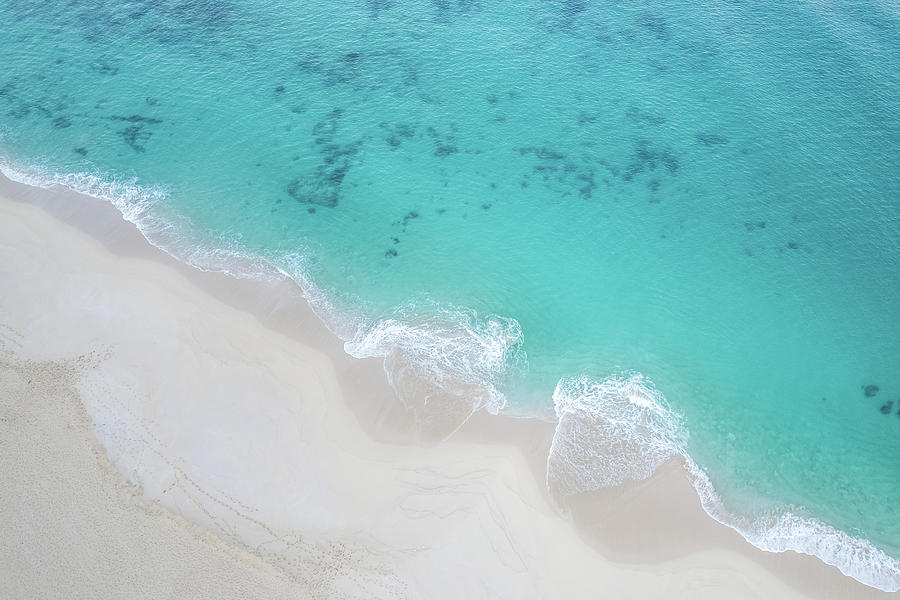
[[515, 202]]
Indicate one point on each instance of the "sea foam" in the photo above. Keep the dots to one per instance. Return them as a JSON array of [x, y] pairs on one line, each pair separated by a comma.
[[447, 366], [608, 432], [444, 363], [622, 428]]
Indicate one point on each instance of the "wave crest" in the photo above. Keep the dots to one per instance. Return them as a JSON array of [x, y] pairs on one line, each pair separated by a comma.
[[854, 557], [623, 428], [609, 431], [446, 366]]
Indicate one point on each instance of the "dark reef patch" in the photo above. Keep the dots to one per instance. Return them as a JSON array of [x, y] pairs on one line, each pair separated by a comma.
[[887, 407], [647, 158], [588, 184], [135, 119], [376, 7], [81, 151], [870, 390], [335, 69], [201, 22], [6, 90], [390, 253], [754, 225], [311, 63], [444, 144], [567, 14], [104, 67], [313, 189], [397, 133], [136, 137], [656, 25], [61, 123], [447, 9], [561, 173], [322, 187], [638, 115], [710, 139], [542, 153], [413, 214], [793, 245]]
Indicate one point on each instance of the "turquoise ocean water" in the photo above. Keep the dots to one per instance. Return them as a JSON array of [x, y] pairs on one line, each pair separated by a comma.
[[672, 225]]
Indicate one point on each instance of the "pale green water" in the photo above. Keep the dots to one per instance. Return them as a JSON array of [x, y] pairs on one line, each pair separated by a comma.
[[704, 193]]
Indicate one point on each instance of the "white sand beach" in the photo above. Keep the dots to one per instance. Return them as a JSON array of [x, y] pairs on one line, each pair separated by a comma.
[[172, 433]]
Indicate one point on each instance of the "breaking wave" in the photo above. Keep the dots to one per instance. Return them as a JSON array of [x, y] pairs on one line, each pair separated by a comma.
[[446, 366], [608, 432], [623, 428], [443, 367]]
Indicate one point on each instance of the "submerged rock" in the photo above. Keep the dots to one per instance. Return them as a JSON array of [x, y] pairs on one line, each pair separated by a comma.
[[870, 390]]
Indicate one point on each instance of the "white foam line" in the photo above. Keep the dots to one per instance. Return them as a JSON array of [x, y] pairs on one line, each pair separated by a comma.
[[854, 557], [443, 354], [452, 361], [623, 428], [176, 236]]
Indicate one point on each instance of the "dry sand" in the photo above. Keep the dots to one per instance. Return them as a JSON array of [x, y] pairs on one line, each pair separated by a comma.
[[266, 462]]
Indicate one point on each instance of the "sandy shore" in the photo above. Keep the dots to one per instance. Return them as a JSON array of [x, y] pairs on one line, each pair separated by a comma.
[[266, 462]]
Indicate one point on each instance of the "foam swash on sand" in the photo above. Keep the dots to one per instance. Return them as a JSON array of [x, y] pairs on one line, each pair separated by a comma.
[[535, 209]]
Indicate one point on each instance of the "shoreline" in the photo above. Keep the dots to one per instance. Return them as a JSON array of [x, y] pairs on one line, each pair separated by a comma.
[[650, 535]]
